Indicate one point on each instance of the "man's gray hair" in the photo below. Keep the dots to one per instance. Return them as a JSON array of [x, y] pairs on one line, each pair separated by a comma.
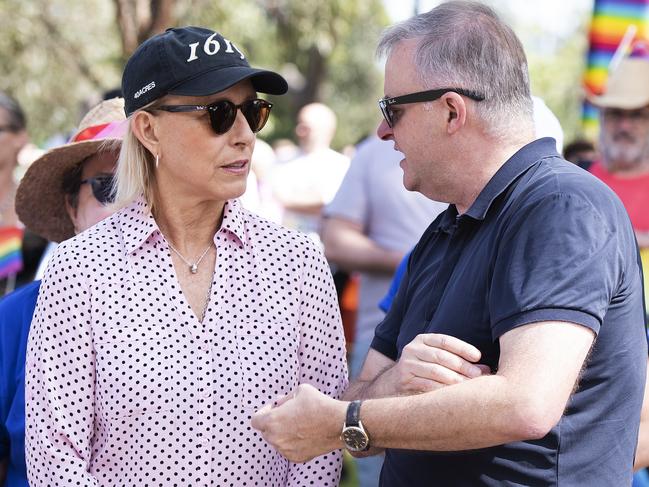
[[464, 44]]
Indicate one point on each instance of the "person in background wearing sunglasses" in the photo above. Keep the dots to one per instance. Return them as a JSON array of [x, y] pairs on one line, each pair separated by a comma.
[[64, 192], [532, 271], [160, 331]]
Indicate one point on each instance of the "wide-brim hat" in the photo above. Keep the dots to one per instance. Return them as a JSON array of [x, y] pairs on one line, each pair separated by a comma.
[[190, 61], [627, 87], [40, 199]]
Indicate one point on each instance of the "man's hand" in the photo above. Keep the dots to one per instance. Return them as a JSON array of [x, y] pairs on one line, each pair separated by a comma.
[[643, 239], [302, 425], [431, 361]]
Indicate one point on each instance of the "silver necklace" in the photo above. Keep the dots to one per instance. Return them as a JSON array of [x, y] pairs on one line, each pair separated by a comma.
[[193, 267], [207, 301]]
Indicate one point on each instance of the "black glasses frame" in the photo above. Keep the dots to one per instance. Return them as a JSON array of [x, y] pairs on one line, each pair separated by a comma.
[[102, 188], [386, 103], [223, 113]]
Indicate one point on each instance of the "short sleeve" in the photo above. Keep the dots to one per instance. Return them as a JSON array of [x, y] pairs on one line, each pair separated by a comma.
[[351, 199], [558, 260]]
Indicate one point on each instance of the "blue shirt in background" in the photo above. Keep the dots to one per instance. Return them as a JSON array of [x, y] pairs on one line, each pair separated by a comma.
[[386, 302], [16, 311]]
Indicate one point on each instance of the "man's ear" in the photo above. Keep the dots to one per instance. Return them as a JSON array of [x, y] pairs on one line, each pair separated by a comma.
[[456, 109], [18, 141], [145, 127]]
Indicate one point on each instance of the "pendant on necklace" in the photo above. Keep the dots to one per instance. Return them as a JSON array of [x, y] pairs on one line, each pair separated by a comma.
[[193, 268]]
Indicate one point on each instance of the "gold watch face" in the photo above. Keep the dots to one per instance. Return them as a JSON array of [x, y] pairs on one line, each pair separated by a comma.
[[355, 438]]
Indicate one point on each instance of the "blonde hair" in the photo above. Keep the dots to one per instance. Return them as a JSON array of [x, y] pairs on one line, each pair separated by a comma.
[[135, 174]]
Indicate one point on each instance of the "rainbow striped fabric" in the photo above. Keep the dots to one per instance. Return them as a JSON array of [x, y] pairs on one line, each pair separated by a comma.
[[10, 257], [611, 21]]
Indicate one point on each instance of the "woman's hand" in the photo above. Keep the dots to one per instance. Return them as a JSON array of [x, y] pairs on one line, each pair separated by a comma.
[[303, 424]]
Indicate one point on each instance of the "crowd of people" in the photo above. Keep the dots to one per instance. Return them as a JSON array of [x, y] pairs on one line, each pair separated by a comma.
[[184, 327]]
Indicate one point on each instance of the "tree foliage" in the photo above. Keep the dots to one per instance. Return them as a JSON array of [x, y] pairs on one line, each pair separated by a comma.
[[58, 56]]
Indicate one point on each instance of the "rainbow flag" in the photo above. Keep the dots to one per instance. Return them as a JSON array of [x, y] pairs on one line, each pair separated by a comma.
[[11, 261], [611, 21]]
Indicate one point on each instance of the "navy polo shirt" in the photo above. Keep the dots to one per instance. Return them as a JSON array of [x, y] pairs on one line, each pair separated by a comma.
[[544, 241]]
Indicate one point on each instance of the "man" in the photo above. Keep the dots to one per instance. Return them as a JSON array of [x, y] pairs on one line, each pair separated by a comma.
[[624, 165], [370, 224], [305, 184], [624, 143], [581, 152], [64, 192], [532, 269]]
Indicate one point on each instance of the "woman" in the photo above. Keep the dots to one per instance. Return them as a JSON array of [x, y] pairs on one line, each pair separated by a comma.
[[161, 330]]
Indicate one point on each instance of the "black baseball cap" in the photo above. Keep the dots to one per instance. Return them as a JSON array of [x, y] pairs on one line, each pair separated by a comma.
[[191, 61]]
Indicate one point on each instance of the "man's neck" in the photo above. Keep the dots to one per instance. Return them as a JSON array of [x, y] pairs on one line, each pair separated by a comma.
[[627, 170], [7, 181], [480, 170], [312, 147]]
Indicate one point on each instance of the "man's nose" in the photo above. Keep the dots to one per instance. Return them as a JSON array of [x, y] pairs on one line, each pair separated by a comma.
[[384, 131]]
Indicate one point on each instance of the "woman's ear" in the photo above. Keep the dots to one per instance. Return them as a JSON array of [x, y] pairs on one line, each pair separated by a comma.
[[145, 127], [72, 213], [456, 109]]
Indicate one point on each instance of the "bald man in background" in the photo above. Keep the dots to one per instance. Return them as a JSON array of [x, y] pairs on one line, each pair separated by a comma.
[[305, 184]]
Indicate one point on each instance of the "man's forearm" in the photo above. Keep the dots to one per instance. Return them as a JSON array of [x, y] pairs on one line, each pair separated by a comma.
[[353, 251], [371, 389], [642, 450], [475, 414], [643, 239]]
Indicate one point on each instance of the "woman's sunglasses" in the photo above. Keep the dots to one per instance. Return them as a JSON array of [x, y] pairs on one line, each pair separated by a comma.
[[223, 113], [102, 188]]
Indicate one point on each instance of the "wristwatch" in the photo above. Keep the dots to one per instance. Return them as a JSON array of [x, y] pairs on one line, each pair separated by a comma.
[[354, 435]]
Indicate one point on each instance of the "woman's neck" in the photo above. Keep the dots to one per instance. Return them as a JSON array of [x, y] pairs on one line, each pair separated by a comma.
[[189, 226]]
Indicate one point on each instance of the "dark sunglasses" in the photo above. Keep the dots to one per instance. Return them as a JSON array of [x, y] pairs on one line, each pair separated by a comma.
[[386, 104], [223, 113], [102, 188]]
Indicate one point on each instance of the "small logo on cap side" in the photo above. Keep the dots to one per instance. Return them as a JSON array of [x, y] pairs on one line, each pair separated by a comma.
[[144, 89]]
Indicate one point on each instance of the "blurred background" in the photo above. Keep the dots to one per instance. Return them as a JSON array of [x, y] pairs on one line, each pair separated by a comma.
[[59, 56]]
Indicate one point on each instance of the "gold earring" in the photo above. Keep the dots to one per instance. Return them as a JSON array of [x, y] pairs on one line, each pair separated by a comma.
[[157, 161]]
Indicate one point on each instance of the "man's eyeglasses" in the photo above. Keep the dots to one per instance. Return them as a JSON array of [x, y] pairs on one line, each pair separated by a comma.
[[223, 113], [616, 115], [102, 188], [386, 104]]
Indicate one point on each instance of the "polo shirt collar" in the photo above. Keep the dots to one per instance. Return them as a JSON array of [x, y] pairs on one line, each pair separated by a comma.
[[137, 223], [233, 220], [516, 165]]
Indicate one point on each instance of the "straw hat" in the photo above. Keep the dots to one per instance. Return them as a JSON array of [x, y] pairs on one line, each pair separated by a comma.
[[627, 87], [40, 200]]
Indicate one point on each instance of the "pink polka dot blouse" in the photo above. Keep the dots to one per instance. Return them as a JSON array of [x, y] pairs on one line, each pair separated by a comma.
[[126, 387]]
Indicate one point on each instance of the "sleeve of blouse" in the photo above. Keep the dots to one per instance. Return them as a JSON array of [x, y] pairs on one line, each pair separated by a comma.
[[60, 378], [322, 357]]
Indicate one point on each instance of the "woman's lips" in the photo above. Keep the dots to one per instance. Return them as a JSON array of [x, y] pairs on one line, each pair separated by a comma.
[[237, 167]]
